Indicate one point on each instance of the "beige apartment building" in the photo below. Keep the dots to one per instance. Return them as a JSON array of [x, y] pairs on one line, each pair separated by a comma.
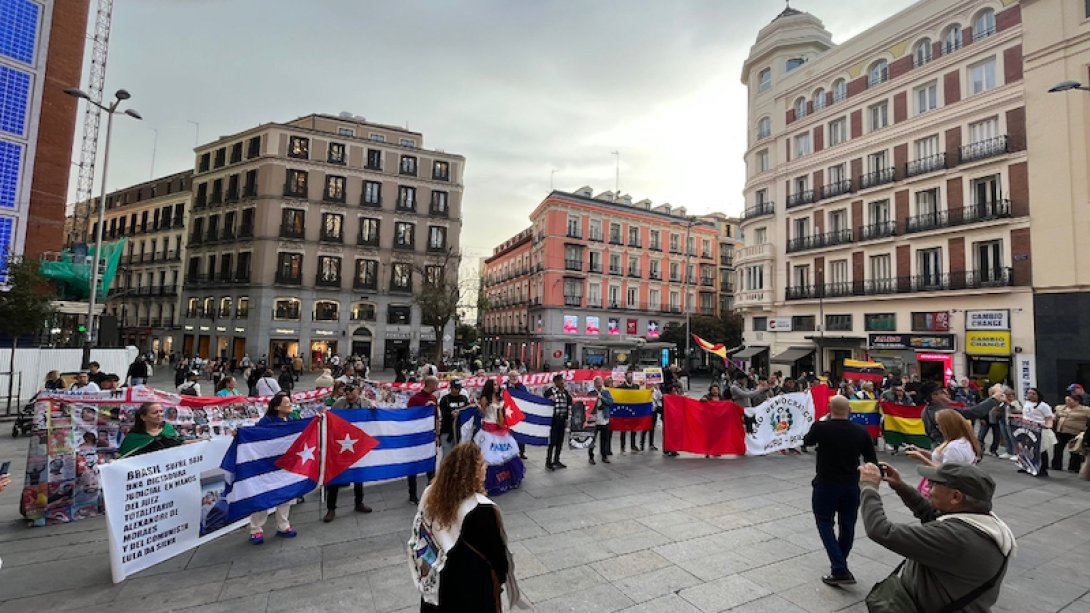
[[146, 292], [1057, 49], [308, 238], [888, 196]]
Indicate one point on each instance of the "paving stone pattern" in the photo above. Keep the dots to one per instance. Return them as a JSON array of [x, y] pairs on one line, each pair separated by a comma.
[[644, 534]]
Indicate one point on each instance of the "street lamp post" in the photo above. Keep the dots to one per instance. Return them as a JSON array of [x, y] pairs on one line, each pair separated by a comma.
[[1064, 86], [92, 322]]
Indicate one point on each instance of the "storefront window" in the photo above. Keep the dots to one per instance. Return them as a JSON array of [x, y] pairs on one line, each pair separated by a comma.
[[286, 308], [326, 310]]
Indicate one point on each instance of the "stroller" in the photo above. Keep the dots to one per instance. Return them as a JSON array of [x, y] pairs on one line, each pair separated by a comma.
[[24, 420]]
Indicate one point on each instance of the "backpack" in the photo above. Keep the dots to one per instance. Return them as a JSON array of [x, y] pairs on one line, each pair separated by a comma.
[[188, 390], [428, 548]]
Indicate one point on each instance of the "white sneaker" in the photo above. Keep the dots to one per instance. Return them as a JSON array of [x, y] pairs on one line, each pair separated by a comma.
[[1013, 458], [1004, 456]]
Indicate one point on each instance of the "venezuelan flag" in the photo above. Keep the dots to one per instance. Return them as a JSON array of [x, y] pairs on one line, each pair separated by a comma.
[[865, 413], [858, 370], [904, 425], [631, 410], [717, 349]]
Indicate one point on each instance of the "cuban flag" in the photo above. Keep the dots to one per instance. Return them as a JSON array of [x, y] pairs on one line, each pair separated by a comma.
[[405, 443], [267, 466], [469, 421], [532, 428], [631, 410]]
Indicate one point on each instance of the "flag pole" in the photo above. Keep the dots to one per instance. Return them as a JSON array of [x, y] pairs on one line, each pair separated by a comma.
[[321, 454]]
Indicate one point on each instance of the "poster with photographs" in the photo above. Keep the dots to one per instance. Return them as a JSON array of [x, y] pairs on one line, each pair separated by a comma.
[[75, 435]]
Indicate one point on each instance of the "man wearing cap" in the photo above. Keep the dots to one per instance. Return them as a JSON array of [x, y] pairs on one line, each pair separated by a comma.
[[1076, 390], [449, 407], [109, 382], [957, 526], [352, 399], [937, 398]]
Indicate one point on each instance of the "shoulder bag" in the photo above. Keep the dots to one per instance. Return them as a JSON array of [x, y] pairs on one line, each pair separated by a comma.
[[890, 595]]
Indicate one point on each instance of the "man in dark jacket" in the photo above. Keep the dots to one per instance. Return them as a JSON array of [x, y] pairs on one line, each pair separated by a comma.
[[938, 398], [562, 403], [286, 380], [956, 525]]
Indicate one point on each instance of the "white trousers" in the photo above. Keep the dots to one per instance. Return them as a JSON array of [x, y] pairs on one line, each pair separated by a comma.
[[257, 520]]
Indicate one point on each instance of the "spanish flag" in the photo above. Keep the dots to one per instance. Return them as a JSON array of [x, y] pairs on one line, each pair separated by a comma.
[[903, 425], [865, 371], [865, 413], [631, 410], [718, 349]]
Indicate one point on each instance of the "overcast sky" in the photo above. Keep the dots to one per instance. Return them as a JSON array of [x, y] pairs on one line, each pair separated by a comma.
[[519, 87]]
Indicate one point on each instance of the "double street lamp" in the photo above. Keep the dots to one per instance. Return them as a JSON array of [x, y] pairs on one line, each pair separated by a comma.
[[92, 322]]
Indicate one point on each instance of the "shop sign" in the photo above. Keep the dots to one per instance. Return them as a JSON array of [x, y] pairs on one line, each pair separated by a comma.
[[205, 328], [779, 324], [988, 343], [240, 330], [221, 328], [188, 328], [939, 342], [324, 333], [998, 319], [947, 361], [427, 334], [395, 335], [285, 331]]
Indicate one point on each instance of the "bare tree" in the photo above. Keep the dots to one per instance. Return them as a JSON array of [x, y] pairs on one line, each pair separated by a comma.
[[439, 295]]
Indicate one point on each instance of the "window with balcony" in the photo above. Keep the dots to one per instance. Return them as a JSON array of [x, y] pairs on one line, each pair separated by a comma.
[[595, 260], [818, 99], [249, 190], [879, 115], [633, 236], [987, 199], [838, 281], [764, 80], [838, 323], [293, 223], [372, 193], [928, 157], [217, 193], [879, 220], [838, 221], [242, 270], [335, 154], [433, 275], [927, 97], [595, 229], [614, 297], [296, 185], [286, 308], [574, 226], [880, 322], [573, 292], [374, 159], [929, 268], [984, 24], [801, 193], [982, 77], [921, 53], [438, 206], [655, 270], [369, 232], [225, 267], [362, 311], [674, 242], [220, 158], [840, 90], [401, 279], [802, 145], [762, 160], [232, 188], [632, 299], [988, 268], [800, 107], [615, 234], [332, 228], [408, 165], [879, 170], [253, 147], [299, 147], [881, 274], [406, 198], [236, 152], [204, 163], [334, 189], [614, 264], [837, 182], [633, 267], [654, 300], [654, 237], [404, 235], [366, 275], [242, 308], [951, 39], [440, 171], [573, 257], [838, 131], [225, 307], [289, 268], [437, 238], [764, 128], [878, 73]]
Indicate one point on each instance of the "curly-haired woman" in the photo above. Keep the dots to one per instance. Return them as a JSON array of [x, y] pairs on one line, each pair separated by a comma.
[[468, 526]]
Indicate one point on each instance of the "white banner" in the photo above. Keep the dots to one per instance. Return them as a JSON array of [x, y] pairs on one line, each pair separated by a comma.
[[1025, 365], [778, 423], [161, 504]]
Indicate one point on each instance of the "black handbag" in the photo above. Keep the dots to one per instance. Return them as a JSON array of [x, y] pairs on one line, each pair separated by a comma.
[[890, 596]]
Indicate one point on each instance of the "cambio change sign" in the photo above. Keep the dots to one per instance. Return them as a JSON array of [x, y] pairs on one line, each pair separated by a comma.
[[162, 504]]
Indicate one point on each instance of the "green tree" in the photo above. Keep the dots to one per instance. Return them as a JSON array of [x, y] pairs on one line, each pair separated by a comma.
[[25, 306]]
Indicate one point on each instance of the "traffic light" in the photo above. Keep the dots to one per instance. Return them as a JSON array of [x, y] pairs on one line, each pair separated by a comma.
[[82, 329]]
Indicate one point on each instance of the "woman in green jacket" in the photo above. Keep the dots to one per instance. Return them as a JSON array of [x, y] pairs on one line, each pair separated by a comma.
[[149, 433]]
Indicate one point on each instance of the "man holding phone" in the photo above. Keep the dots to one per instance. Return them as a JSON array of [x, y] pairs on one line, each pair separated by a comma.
[[840, 444]]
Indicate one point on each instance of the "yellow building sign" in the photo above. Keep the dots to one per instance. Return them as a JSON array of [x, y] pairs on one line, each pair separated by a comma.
[[988, 343]]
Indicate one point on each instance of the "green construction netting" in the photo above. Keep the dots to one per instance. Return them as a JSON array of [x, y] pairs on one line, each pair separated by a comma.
[[74, 272]]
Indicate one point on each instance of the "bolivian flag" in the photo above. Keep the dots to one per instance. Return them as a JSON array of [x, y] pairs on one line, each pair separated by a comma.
[[857, 370], [904, 425], [631, 410], [718, 349], [865, 413]]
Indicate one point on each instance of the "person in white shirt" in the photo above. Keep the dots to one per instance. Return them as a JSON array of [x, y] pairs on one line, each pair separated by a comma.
[[84, 384], [1035, 409], [267, 385], [959, 445]]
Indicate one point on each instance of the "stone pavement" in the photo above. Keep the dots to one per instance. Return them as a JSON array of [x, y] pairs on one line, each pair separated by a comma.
[[646, 533]]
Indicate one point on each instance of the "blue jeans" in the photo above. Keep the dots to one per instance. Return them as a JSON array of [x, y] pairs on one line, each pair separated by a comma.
[[840, 503], [1008, 438]]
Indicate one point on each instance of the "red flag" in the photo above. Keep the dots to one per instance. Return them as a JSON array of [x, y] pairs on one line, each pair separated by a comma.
[[302, 458], [821, 393], [345, 445], [512, 414], [708, 427]]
